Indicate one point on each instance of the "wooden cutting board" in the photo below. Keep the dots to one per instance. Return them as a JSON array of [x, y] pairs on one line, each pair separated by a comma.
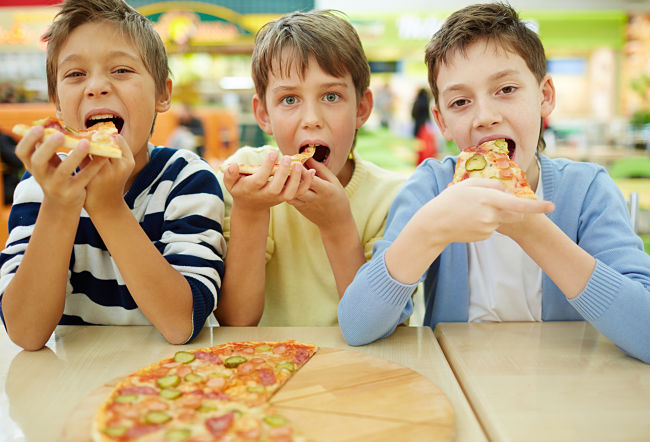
[[339, 395]]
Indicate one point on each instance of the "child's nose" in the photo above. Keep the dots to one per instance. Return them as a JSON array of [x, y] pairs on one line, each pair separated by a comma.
[[97, 85], [486, 114], [311, 116]]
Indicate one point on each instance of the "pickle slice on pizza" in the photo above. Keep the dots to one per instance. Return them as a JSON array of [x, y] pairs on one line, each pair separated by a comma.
[[100, 135], [491, 160], [249, 169]]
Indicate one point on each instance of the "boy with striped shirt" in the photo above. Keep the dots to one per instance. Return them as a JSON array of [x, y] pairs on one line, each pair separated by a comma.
[[134, 240]]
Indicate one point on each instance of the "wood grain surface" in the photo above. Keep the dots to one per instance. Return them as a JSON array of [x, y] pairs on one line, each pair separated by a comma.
[[339, 395]]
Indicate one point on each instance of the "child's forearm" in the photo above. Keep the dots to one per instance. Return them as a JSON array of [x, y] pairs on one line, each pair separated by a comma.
[[242, 288], [34, 300], [555, 252], [162, 294], [344, 252]]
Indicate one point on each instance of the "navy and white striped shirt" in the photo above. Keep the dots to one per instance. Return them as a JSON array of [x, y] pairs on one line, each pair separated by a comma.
[[177, 201]]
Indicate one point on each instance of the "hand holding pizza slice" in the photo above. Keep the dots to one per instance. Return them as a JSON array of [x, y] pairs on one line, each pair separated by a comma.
[[100, 135], [491, 160], [250, 169]]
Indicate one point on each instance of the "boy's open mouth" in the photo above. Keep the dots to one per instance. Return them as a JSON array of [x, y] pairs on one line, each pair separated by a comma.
[[117, 121], [511, 147], [321, 154]]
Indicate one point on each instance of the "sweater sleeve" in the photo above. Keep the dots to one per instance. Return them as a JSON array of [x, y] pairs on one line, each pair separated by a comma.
[[192, 240], [374, 304], [616, 298]]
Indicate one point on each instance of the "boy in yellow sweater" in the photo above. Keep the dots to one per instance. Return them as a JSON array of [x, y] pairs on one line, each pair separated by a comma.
[[298, 236]]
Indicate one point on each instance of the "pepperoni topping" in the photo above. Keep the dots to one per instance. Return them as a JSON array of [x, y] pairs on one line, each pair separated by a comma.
[[505, 173], [502, 162], [219, 425], [216, 383], [217, 395], [245, 368], [279, 349], [248, 350], [301, 356], [183, 371], [267, 377], [138, 389], [208, 357], [139, 431]]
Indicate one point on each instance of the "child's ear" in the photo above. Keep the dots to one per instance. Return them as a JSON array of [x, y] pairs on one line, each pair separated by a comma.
[[163, 102], [261, 115], [364, 108], [59, 113], [440, 121], [547, 89]]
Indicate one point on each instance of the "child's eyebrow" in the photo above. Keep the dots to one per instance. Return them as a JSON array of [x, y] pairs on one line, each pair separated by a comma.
[[113, 54], [494, 77], [282, 88]]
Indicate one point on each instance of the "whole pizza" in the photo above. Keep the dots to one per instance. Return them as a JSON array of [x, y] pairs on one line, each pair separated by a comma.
[[216, 393]]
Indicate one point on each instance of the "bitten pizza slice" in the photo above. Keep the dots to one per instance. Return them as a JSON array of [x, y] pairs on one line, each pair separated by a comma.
[[491, 160], [100, 135], [249, 169]]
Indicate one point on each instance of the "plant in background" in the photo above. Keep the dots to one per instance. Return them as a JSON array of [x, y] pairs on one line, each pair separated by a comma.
[[641, 85]]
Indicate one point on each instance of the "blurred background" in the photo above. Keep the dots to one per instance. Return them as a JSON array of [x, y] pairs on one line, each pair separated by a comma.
[[598, 53]]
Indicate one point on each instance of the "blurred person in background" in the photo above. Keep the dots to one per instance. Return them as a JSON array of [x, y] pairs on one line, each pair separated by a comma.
[[189, 133], [426, 144], [12, 167], [384, 105]]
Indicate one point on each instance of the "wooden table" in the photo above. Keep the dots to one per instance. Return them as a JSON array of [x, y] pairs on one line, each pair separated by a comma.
[[560, 381], [39, 390]]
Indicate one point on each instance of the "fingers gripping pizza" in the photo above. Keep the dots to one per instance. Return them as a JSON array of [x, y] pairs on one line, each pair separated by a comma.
[[216, 393], [100, 135], [491, 160], [249, 169]]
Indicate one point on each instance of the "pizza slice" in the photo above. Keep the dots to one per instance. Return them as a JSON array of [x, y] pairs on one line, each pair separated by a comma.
[[204, 394], [491, 160], [249, 169], [99, 135]]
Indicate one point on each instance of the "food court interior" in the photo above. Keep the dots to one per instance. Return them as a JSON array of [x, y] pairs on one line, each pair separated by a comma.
[[598, 53]]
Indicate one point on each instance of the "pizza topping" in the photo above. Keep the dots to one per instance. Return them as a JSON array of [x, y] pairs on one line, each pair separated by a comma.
[[216, 383], [194, 378], [266, 376], [245, 368], [502, 162], [475, 162], [234, 361], [170, 393], [279, 349], [138, 389], [208, 357], [505, 173], [171, 380], [263, 347], [115, 431], [218, 425], [177, 434], [275, 420], [184, 357], [156, 417], [105, 118], [286, 366], [321, 152], [125, 398]]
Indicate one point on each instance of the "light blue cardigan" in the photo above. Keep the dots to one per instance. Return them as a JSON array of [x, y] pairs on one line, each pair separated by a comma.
[[589, 208]]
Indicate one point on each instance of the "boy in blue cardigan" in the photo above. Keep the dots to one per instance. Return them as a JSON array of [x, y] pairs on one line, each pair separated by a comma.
[[486, 255]]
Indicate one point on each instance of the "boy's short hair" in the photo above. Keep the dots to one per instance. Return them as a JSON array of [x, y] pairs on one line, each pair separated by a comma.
[[322, 34], [496, 22], [130, 22]]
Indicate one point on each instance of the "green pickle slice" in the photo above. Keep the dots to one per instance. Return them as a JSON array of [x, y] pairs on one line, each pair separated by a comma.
[[275, 420], [475, 162], [234, 361], [124, 398], [502, 145], [262, 348], [177, 434], [286, 366], [170, 393], [194, 378], [184, 357], [255, 389], [156, 417], [115, 431], [168, 381]]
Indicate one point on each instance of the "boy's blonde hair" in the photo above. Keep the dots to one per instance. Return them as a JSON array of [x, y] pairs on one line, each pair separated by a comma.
[[130, 22], [495, 22], [322, 34]]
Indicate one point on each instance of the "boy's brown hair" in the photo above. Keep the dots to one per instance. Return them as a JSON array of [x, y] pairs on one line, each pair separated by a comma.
[[495, 22], [322, 34], [130, 22]]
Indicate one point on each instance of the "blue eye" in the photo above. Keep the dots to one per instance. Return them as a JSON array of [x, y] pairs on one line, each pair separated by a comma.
[[331, 97], [289, 100]]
